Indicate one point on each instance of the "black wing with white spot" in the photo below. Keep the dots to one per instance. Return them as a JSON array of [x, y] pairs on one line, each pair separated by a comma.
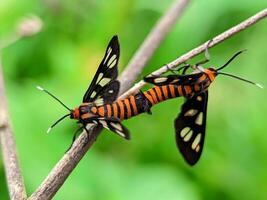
[[174, 79], [190, 126], [114, 125], [104, 80]]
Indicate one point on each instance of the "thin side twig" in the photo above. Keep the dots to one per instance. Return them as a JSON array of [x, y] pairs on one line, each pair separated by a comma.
[[13, 174], [151, 43], [69, 161], [27, 27], [216, 40]]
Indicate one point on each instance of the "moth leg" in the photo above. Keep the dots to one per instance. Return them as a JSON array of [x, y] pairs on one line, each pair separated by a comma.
[[171, 70], [74, 137], [185, 68], [207, 55], [88, 133]]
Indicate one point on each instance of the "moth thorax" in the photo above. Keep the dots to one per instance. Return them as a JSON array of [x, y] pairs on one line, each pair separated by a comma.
[[198, 69], [87, 111]]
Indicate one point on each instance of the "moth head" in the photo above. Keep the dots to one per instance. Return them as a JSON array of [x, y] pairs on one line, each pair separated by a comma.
[[75, 114]]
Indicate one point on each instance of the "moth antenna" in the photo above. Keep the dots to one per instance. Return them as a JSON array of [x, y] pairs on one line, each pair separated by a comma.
[[48, 130], [59, 120], [241, 79], [259, 85], [53, 96], [231, 59]]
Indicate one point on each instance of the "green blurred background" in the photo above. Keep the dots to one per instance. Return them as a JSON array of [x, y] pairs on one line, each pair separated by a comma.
[[63, 58]]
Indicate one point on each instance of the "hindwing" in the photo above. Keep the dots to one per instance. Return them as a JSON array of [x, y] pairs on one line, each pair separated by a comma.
[[114, 125], [190, 126]]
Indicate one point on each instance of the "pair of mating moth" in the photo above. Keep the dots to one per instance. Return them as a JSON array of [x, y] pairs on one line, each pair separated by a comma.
[[100, 107]]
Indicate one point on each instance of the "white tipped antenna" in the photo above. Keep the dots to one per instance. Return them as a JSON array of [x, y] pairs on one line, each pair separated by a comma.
[[39, 88], [59, 120], [242, 79], [259, 85], [53, 96], [48, 130]]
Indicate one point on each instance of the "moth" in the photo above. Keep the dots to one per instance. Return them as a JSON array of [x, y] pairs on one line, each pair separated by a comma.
[[99, 106], [190, 124]]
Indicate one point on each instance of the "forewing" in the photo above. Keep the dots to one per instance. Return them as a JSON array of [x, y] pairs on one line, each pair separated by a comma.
[[190, 126], [108, 93], [114, 125], [106, 73], [174, 79]]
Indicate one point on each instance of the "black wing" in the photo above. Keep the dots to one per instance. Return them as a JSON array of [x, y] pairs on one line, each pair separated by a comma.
[[190, 126], [104, 80], [174, 79], [114, 125]]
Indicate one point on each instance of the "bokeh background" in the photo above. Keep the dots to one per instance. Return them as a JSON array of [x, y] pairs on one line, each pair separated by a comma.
[[64, 57]]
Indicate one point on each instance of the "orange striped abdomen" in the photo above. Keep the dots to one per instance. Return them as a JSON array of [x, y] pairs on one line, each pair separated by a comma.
[[125, 108], [142, 102], [158, 94]]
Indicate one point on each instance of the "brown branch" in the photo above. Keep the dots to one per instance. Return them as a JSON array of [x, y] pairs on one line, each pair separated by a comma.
[[151, 43], [64, 167], [13, 175], [218, 39]]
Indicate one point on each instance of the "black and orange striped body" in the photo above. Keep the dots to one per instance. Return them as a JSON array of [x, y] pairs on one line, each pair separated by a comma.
[[142, 102], [123, 109]]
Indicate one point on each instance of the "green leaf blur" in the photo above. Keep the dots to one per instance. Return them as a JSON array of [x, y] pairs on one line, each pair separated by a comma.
[[64, 57]]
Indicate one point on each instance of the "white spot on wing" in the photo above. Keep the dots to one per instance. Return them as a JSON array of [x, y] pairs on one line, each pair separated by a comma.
[[191, 112], [116, 126], [99, 77], [199, 119], [111, 60], [104, 81], [99, 102], [197, 148], [188, 136], [184, 131], [90, 125], [104, 123], [196, 141], [109, 51], [120, 133], [93, 94], [160, 80], [112, 64], [199, 98], [175, 80]]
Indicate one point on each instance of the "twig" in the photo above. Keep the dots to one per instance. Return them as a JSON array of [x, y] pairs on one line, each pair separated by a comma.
[[223, 36], [64, 167], [151, 43], [27, 27], [13, 175]]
